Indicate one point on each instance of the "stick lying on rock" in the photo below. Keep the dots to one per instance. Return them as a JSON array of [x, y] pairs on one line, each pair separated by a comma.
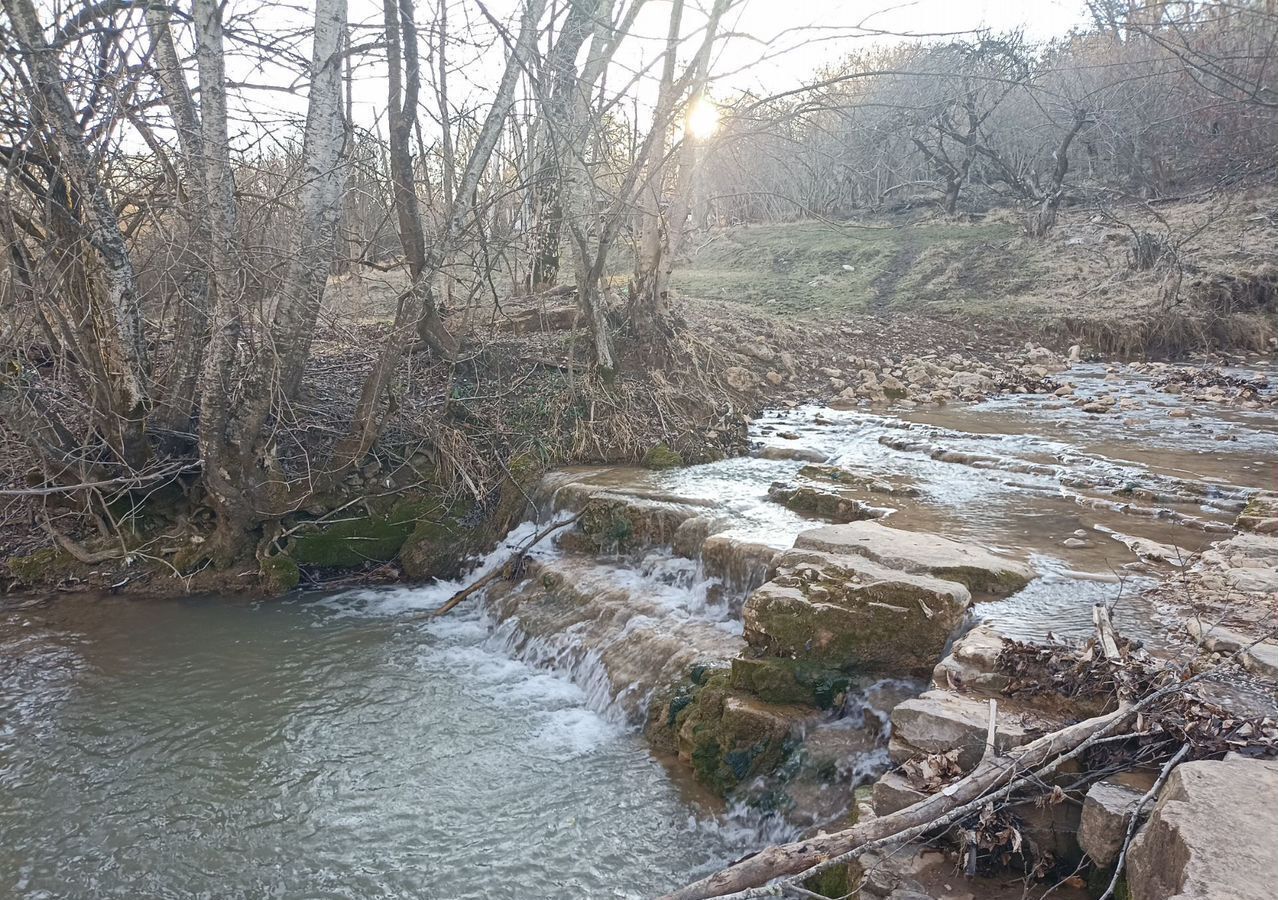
[[993, 779], [507, 569]]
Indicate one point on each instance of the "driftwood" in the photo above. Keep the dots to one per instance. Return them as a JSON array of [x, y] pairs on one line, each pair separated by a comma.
[[1105, 631], [777, 870], [508, 569]]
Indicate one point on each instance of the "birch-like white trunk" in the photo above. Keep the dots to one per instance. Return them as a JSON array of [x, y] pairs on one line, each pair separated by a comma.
[[319, 201], [224, 470], [115, 303]]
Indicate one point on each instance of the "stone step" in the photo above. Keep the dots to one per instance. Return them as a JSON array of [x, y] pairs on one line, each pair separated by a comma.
[[981, 571], [940, 721], [623, 637], [848, 613], [1213, 833]]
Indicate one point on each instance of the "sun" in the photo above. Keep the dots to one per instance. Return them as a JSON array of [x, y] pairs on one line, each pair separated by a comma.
[[703, 119]]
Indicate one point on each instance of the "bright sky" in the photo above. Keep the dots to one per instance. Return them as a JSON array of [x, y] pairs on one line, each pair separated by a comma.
[[772, 45], [808, 34]]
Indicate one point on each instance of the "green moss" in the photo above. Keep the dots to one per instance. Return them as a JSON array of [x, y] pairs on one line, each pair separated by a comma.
[[436, 548], [377, 536], [1098, 881], [835, 882], [607, 525], [838, 623], [662, 457], [984, 581], [790, 681], [352, 543], [41, 567], [278, 574]]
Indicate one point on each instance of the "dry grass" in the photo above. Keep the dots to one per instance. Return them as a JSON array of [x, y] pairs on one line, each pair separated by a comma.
[[1218, 287]]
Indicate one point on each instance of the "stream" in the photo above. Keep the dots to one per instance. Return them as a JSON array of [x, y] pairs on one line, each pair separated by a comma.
[[344, 746]]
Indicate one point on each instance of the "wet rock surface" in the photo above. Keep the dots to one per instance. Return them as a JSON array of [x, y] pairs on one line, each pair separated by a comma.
[[1107, 812], [977, 569], [743, 610], [853, 614]]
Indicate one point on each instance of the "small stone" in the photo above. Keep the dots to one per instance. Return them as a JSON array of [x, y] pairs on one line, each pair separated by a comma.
[[1107, 810]]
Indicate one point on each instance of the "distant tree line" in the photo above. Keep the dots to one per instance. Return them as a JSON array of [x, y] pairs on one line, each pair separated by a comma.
[[1156, 100]]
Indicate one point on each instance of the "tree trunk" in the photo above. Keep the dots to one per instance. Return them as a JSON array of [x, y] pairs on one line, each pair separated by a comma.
[[218, 383], [403, 85], [663, 227], [191, 317], [114, 302], [556, 109], [319, 200]]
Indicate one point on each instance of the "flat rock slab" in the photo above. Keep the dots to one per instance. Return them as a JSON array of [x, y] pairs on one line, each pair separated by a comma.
[[978, 569], [1257, 658], [1212, 836], [849, 613], [938, 721]]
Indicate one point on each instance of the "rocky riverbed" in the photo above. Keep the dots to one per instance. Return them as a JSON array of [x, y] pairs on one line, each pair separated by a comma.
[[782, 625], [804, 637]]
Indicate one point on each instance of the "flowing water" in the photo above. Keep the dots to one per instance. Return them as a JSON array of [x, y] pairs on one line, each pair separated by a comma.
[[319, 748], [343, 746]]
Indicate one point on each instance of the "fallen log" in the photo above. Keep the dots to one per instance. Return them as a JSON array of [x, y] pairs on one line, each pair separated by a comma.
[[992, 780], [506, 570]]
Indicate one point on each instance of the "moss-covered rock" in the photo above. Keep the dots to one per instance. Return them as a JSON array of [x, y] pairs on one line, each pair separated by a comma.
[[352, 543], [737, 738], [1260, 514], [426, 534], [46, 566], [726, 736], [613, 523], [852, 615], [662, 457], [790, 681], [436, 548], [829, 504], [278, 574]]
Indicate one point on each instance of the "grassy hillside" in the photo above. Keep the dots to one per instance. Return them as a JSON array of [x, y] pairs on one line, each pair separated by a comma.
[[821, 268], [1218, 287]]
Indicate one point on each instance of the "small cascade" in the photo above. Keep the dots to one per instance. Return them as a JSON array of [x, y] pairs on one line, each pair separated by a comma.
[[651, 603]]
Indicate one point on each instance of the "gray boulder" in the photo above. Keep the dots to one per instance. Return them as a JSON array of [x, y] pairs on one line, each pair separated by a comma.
[[1107, 811], [1212, 836]]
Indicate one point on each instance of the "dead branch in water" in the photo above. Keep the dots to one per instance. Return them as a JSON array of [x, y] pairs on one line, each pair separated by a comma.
[[506, 570], [1165, 711], [1138, 816], [989, 782]]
